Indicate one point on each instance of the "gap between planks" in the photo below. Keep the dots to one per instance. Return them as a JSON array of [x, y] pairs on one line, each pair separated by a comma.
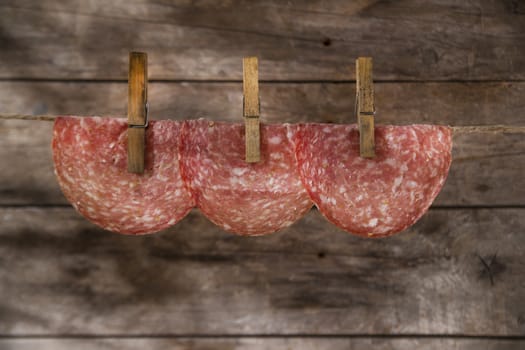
[[263, 81], [264, 336]]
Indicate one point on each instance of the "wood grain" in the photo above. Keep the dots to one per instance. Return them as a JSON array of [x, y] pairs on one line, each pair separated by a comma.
[[457, 273], [255, 343], [487, 168], [398, 103], [306, 40], [250, 87], [454, 272], [365, 106], [137, 110], [251, 109]]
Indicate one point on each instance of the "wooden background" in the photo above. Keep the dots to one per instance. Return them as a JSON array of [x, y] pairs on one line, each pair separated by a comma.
[[455, 280]]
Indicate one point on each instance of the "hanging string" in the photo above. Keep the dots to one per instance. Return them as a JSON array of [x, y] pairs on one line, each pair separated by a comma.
[[46, 118], [497, 129]]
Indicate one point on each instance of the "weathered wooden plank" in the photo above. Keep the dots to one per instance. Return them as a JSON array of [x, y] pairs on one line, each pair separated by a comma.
[[398, 103], [62, 275], [307, 343], [487, 169], [438, 40]]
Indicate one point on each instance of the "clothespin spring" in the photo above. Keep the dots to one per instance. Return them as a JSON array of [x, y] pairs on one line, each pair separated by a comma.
[[146, 117]]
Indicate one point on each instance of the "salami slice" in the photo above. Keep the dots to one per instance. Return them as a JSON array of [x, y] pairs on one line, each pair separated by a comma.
[[243, 198], [90, 156], [373, 197]]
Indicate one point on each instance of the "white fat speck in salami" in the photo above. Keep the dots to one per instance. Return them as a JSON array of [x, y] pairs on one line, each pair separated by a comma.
[[373, 197], [244, 198], [90, 155]]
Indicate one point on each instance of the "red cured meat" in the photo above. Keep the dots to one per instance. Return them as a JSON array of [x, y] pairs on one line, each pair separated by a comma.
[[90, 156], [244, 198], [373, 197]]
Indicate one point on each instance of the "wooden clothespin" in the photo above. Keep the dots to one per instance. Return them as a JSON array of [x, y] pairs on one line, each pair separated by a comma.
[[365, 106], [137, 110], [251, 108]]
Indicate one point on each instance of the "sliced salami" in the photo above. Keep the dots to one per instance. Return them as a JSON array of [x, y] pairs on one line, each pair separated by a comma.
[[373, 197], [243, 198], [90, 155]]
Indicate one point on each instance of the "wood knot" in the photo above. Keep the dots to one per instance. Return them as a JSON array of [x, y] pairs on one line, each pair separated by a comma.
[[490, 268], [327, 42]]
